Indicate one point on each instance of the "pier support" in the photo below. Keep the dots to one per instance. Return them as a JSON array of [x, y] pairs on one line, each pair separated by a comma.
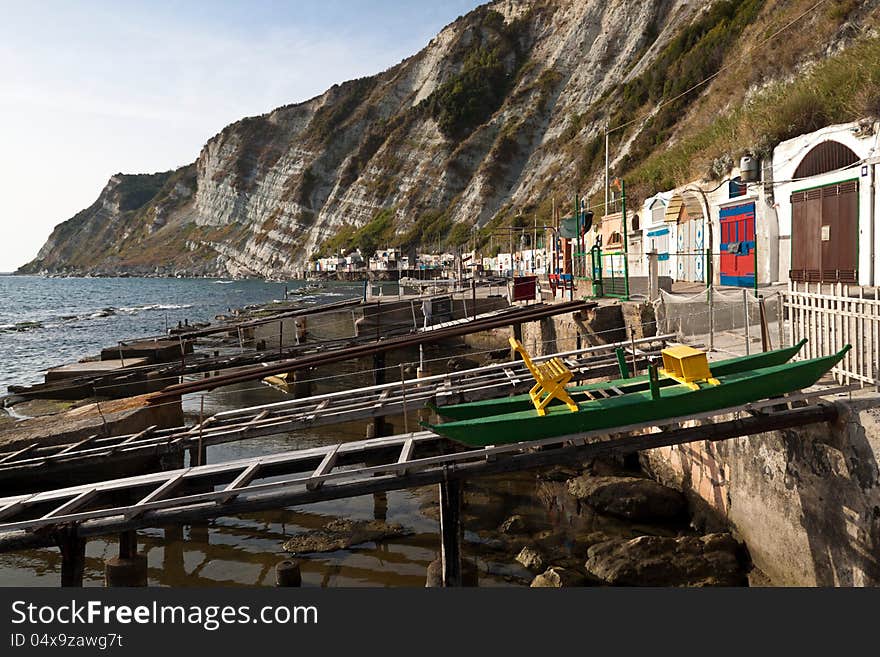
[[380, 506], [450, 532], [173, 565], [517, 334], [287, 573], [378, 423], [129, 568], [73, 557], [198, 455]]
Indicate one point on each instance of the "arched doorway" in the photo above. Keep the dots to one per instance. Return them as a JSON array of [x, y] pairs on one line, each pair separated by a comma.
[[825, 219], [686, 212]]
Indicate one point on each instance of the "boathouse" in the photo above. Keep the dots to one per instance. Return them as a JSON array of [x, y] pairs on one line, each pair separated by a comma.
[[827, 205]]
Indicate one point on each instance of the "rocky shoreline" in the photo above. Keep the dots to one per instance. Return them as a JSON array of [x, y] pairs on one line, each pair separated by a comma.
[[597, 525]]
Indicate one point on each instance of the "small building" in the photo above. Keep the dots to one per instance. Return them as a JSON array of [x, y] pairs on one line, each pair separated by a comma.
[[827, 206], [657, 233]]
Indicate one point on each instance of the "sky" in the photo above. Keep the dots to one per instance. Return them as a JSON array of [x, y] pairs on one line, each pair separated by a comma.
[[89, 89]]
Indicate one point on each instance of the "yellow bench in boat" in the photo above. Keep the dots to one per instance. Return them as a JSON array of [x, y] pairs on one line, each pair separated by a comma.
[[687, 365], [551, 378]]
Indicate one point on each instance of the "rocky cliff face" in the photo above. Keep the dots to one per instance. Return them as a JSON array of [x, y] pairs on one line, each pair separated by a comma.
[[502, 109]]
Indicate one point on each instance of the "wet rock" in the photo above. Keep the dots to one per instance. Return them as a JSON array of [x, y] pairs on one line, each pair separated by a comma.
[[515, 524], [632, 498], [710, 560], [469, 576], [341, 534], [460, 363], [558, 577], [530, 558]]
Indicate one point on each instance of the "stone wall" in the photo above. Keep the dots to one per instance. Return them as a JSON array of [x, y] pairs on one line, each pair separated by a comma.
[[805, 501]]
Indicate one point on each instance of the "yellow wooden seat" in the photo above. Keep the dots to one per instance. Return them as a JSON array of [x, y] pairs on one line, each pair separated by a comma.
[[687, 365], [551, 377]]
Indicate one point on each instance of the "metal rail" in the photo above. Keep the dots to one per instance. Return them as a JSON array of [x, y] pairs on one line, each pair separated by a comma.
[[345, 470]]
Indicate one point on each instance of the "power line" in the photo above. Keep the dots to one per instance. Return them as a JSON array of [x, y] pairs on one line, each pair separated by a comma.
[[718, 72]]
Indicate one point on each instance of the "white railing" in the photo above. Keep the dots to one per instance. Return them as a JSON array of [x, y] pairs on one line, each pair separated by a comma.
[[831, 315]]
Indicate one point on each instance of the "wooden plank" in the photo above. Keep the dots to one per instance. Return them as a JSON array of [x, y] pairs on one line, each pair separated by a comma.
[[10, 509], [324, 468], [143, 434], [426, 466], [13, 455], [240, 481], [72, 505], [406, 451], [76, 446], [159, 492]]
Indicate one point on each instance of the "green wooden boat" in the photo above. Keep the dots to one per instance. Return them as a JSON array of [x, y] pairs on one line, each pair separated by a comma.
[[674, 400], [500, 405]]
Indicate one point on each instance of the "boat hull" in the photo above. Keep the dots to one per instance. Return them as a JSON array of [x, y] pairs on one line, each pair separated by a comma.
[[514, 403], [674, 401]]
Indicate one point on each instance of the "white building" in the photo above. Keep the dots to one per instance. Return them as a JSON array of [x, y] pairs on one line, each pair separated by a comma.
[[827, 206], [811, 217]]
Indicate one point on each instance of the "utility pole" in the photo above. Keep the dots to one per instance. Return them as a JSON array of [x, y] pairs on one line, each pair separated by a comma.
[[605, 209]]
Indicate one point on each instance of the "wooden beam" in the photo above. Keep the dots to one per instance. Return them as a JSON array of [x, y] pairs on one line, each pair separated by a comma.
[[323, 468], [159, 492], [72, 504], [450, 532], [240, 481], [13, 455]]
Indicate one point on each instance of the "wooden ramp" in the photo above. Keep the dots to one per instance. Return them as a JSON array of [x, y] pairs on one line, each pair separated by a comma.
[[400, 397], [351, 469]]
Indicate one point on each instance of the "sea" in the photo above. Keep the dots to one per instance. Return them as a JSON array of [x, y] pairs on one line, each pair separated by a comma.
[[46, 322]]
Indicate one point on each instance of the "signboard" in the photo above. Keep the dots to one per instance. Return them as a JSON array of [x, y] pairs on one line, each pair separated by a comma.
[[524, 288]]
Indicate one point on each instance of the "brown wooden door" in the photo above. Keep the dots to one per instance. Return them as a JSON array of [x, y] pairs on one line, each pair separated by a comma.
[[824, 234]]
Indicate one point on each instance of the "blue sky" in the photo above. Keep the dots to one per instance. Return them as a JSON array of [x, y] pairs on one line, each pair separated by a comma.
[[88, 89]]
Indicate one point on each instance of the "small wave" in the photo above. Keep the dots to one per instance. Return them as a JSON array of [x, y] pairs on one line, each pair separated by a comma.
[[133, 310], [224, 282], [20, 327]]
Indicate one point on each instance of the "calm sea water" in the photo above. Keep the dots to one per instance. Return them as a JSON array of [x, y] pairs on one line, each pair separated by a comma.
[[51, 321], [76, 317]]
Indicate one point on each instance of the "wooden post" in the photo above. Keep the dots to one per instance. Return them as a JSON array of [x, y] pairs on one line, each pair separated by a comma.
[[129, 568], [780, 318], [378, 379], [403, 394], [450, 532], [632, 340], [765, 331], [287, 573], [73, 556], [517, 333], [710, 292], [473, 298], [378, 320], [380, 506], [127, 544], [746, 319]]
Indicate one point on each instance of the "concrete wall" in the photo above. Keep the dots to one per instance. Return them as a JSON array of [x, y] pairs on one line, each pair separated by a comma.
[[806, 502]]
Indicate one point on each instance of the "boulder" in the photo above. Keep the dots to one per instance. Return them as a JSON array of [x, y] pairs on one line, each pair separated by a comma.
[[341, 534], [530, 558], [631, 498], [557, 577], [710, 560], [515, 524], [469, 574]]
